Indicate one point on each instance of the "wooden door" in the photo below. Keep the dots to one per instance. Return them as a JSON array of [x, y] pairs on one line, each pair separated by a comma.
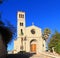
[[33, 48]]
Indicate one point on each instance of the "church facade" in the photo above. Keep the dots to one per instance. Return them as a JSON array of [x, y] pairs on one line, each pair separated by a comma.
[[29, 39]]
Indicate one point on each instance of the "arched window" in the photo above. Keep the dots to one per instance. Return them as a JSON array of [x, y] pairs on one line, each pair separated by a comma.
[[21, 31], [21, 24], [21, 16]]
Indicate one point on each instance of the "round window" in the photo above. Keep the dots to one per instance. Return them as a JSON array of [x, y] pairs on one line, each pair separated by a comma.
[[33, 31]]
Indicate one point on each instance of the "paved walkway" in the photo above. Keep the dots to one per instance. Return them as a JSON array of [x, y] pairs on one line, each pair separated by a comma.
[[45, 55], [40, 55]]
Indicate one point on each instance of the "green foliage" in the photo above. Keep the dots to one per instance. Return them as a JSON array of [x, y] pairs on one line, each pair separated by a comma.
[[46, 33], [57, 48], [55, 42]]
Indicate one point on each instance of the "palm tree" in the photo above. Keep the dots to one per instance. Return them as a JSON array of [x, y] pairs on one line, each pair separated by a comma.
[[46, 33], [45, 36]]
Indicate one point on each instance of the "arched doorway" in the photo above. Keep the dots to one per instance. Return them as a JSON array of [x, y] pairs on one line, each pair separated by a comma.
[[33, 46]]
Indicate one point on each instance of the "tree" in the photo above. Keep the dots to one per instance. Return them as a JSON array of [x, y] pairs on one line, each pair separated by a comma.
[[6, 33], [55, 42], [46, 33], [45, 36], [12, 28]]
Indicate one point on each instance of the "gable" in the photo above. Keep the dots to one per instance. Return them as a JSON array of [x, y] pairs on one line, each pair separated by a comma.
[[33, 31]]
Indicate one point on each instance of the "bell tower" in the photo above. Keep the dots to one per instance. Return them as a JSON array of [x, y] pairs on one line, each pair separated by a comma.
[[19, 43], [20, 24]]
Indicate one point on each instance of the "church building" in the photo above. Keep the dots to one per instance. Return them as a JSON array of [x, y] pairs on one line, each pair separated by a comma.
[[29, 39]]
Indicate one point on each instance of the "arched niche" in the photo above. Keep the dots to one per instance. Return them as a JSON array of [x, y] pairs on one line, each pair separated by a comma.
[[33, 45]]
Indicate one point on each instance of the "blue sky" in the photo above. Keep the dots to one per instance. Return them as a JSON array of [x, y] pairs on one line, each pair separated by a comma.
[[44, 13]]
